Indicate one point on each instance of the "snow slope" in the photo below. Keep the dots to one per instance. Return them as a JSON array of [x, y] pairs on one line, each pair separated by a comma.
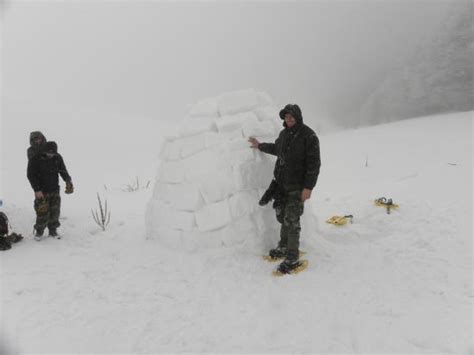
[[386, 283]]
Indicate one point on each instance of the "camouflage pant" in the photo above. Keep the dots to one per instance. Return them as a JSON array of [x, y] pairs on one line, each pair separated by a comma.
[[288, 212], [47, 211]]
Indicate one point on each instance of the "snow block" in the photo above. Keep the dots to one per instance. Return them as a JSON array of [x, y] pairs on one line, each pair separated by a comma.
[[230, 237], [253, 175], [213, 216], [212, 139], [234, 122], [267, 113], [172, 172], [244, 224], [171, 150], [194, 125], [195, 239], [258, 128], [206, 107], [265, 220], [242, 203], [266, 159], [200, 164], [239, 144], [158, 190], [217, 187], [240, 152], [237, 101], [238, 157], [230, 136], [192, 144], [239, 232], [184, 196], [172, 218]]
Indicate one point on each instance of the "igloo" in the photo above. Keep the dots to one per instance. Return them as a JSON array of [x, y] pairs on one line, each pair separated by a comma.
[[209, 180]]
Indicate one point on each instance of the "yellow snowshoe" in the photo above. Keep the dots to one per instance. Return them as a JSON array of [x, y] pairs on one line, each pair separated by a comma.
[[387, 203], [340, 220], [291, 269]]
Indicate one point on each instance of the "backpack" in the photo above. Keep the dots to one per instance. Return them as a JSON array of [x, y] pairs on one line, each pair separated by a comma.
[[4, 243], [3, 224]]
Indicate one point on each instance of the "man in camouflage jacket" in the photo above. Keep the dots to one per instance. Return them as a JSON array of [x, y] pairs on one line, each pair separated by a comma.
[[295, 175]]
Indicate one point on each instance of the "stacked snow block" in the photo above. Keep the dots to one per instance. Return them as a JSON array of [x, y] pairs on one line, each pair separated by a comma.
[[209, 180]]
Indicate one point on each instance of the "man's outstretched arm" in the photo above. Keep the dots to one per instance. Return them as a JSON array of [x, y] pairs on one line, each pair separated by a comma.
[[269, 148]]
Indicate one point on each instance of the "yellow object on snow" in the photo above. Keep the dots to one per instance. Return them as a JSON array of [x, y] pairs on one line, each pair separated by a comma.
[[340, 220], [387, 203], [272, 260]]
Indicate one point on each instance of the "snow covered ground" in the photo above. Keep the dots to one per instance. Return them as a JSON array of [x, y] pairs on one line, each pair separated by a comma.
[[398, 283]]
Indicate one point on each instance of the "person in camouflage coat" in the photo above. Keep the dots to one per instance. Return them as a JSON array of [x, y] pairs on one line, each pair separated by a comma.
[[43, 171], [295, 175]]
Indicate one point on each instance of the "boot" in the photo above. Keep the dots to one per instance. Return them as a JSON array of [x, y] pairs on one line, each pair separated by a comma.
[[291, 262], [278, 252], [38, 235], [54, 233]]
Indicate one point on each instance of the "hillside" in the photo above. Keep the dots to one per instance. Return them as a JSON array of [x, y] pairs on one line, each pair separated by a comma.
[[386, 283]]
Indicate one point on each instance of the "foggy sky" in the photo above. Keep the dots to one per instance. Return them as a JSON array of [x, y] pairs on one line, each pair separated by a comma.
[[155, 58]]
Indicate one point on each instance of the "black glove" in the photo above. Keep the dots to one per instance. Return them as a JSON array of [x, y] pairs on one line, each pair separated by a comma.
[[266, 198]]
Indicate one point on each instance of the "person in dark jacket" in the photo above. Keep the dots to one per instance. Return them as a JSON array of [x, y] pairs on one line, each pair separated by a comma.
[[6, 238], [37, 142], [43, 173], [295, 175]]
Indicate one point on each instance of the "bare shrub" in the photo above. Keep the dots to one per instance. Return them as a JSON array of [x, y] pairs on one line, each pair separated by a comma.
[[101, 216]]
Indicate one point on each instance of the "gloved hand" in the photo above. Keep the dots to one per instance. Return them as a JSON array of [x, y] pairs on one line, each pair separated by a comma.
[[69, 187], [266, 198]]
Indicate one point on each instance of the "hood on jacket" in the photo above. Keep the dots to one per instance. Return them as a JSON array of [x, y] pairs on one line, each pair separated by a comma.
[[293, 110], [50, 147], [34, 135]]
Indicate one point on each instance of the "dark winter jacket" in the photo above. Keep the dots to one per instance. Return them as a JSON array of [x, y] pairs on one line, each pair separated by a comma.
[[35, 148], [43, 172], [297, 150]]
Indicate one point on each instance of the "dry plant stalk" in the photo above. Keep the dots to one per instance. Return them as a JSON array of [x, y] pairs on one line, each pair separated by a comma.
[[103, 219], [136, 186]]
